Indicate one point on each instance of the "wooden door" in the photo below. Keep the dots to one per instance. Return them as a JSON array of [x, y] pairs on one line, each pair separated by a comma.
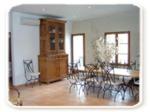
[[53, 69], [60, 36], [63, 67], [52, 37]]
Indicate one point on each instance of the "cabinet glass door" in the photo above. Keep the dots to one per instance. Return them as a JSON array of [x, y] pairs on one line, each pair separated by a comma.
[[52, 31], [60, 38]]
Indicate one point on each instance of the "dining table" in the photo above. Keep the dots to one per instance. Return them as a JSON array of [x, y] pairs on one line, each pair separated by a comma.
[[123, 73]]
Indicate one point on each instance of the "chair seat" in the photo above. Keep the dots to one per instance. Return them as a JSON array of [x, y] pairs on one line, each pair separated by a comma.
[[116, 83], [90, 79], [34, 74], [136, 82], [72, 81]]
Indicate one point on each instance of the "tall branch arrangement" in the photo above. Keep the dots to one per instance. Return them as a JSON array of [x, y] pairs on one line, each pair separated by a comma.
[[104, 52]]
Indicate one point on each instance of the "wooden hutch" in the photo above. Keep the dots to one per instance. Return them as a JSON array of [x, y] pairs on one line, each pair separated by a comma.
[[53, 60]]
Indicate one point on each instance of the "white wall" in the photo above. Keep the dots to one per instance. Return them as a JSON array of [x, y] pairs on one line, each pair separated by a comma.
[[25, 44], [68, 31], [95, 28]]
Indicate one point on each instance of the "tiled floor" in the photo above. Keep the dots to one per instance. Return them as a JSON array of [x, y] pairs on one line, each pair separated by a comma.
[[57, 94]]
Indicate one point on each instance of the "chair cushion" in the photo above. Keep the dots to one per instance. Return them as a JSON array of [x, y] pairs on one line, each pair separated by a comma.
[[136, 82], [34, 74]]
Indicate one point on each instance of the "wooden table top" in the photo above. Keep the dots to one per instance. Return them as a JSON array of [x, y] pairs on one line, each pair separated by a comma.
[[126, 72], [119, 72]]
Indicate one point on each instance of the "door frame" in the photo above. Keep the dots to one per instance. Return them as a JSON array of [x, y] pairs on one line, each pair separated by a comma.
[[72, 55]]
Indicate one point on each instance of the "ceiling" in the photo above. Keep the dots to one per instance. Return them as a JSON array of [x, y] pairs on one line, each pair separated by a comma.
[[74, 12]]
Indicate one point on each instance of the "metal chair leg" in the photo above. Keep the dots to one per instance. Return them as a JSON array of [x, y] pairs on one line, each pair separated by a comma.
[[70, 88], [99, 92]]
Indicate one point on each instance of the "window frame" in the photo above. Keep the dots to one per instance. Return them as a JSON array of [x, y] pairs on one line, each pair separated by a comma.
[[116, 40]]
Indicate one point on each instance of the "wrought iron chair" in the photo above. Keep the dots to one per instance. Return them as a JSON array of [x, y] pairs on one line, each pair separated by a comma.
[[15, 97], [92, 79], [72, 75], [30, 75], [110, 84], [76, 78], [132, 83], [136, 88]]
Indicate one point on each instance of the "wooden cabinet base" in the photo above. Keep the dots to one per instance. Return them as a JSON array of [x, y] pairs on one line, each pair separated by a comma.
[[51, 81], [53, 67]]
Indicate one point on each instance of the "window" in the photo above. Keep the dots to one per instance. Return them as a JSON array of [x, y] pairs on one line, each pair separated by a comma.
[[122, 41]]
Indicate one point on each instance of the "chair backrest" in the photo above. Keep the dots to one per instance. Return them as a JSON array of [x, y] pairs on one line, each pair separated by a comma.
[[28, 66], [73, 68], [91, 70], [106, 75], [72, 72]]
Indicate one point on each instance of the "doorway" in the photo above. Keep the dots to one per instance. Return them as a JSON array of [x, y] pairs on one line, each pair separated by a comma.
[[78, 49], [10, 60]]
